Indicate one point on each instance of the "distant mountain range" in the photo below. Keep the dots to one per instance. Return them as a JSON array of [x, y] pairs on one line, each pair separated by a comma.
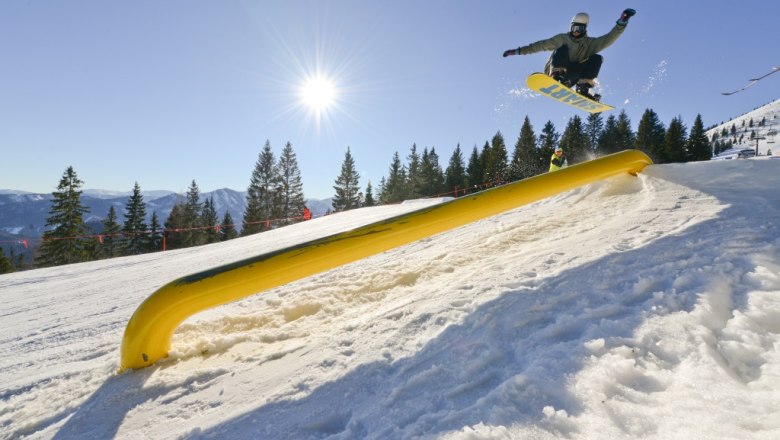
[[23, 214]]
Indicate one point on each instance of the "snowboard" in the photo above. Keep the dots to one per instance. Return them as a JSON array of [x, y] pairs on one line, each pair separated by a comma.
[[551, 88]]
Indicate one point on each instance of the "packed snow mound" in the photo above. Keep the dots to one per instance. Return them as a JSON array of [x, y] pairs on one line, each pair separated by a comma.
[[626, 308]]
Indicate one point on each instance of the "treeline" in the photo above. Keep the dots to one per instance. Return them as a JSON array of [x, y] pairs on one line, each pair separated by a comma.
[[274, 198], [728, 138], [275, 193], [492, 164], [69, 239]]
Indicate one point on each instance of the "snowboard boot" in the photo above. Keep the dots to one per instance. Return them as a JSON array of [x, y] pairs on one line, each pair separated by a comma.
[[583, 88], [559, 74]]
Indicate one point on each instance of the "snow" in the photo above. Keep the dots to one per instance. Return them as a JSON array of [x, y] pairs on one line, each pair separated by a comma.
[[765, 136], [12, 192], [108, 194], [635, 307]]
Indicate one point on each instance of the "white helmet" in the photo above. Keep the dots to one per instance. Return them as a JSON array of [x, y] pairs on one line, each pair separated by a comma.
[[581, 18], [579, 24]]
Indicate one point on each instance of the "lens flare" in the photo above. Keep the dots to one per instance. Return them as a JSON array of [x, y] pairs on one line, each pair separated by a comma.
[[318, 93]]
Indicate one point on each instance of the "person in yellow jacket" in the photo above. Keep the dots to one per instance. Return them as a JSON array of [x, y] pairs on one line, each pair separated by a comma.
[[558, 160]]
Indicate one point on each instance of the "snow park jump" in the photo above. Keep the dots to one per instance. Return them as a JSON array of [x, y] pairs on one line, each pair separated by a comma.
[[147, 337]]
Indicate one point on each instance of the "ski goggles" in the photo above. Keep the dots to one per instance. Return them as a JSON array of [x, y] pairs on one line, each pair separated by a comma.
[[578, 27]]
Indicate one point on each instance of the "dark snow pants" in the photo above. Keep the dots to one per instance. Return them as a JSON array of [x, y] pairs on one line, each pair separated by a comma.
[[589, 69]]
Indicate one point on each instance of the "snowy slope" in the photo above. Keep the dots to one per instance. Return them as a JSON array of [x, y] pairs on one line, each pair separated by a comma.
[[633, 307], [766, 136]]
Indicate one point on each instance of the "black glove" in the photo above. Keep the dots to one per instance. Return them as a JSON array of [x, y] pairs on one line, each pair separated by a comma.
[[623, 20], [511, 52]]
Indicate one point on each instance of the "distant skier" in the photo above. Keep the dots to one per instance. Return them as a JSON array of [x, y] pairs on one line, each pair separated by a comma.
[[558, 160], [575, 60]]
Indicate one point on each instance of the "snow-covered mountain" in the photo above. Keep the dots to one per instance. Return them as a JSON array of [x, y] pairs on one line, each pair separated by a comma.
[[13, 191], [107, 194], [764, 130], [24, 214]]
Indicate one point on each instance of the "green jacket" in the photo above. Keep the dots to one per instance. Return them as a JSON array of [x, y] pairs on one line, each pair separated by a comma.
[[580, 49]]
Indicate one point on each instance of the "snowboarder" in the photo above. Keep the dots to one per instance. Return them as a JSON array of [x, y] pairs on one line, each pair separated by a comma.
[[558, 160], [575, 60]]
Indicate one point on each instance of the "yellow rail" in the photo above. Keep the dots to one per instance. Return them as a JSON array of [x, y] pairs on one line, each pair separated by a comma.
[[148, 334]]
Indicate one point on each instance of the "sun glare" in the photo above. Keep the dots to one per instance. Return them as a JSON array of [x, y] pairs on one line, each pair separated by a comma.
[[318, 93], [318, 80]]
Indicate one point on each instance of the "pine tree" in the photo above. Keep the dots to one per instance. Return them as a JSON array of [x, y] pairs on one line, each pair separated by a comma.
[[609, 141], [394, 188], [228, 228], [112, 237], [369, 195], [455, 175], [5, 263], [174, 225], [715, 138], [290, 190], [154, 239], [525, 157], [484, 162], [698, 145], [64, 242], [574, 141], [548, 141], [413, 175], [381, 190], [716, 147], [17, 261], [261, 194], [475, 174], [674, 142], [650, 135], [594, 125], [135, 238], [193, 234], [496, 169], [625, 134], [91, 246], [210, 221], [347, 185], [431, 174]]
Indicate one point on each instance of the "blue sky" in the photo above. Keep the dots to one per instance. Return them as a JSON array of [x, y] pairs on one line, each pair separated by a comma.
[[166, 92]]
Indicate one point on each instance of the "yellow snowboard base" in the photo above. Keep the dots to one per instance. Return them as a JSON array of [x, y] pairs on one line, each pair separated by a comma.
[[557, 91]]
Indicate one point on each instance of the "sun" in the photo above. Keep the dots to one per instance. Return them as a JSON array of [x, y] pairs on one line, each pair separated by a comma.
[[318, 93], [317, 80]]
